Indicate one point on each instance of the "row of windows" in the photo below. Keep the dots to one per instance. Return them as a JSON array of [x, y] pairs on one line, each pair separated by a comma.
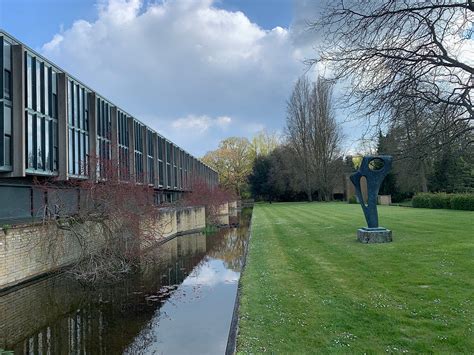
[[78, 129], [41, 143], [41, 86], [41, 129], [104, 137], [156, 160], [123, 136]]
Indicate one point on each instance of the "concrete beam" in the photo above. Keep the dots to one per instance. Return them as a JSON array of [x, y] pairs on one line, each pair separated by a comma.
[[156, 183], [145, 156], [18, 112], [114, 141], [93, 136], [63, 139], [131, 148]]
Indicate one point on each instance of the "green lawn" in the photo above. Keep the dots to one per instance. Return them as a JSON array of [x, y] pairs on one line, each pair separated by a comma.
[[309, 286]]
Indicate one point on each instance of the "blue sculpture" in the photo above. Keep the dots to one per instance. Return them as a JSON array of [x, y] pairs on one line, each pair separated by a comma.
[[374, 168]]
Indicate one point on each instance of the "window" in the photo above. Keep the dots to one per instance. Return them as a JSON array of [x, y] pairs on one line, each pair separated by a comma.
[[7, 83], [151, 157], [123, 145], [161, 169], [5, 136], [55, 145], [168, 163], [37, 78], [41, 117], [104, 135], [138, 135], [78, 133], [7, 120], [30, 142], [7, 71], [29, 81], [39, 143], [45, 90], [47, 147], [54, 95]]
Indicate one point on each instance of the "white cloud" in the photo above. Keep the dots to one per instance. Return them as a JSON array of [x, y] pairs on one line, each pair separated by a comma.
[[200, 124], [183, 63]]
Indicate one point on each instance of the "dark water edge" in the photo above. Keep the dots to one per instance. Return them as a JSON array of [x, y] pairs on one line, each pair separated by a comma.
[[180, 301]]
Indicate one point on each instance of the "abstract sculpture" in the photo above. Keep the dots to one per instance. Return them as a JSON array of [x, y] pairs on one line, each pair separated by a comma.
[[374, 169]]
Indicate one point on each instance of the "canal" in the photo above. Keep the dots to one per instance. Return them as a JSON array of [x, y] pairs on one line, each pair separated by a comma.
[[179, 301]]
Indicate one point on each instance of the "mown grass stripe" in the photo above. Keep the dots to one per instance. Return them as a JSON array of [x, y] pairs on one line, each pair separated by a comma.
[[309, 286]]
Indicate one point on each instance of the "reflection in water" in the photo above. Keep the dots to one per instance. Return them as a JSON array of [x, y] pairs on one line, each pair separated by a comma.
[[180, 301]]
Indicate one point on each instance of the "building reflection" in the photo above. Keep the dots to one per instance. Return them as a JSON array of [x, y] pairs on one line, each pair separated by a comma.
[[58, 315]]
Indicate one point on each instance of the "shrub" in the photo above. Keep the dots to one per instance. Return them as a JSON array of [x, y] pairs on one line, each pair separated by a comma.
[[443, 200], [421, 200], [462, 202], [439, 200]]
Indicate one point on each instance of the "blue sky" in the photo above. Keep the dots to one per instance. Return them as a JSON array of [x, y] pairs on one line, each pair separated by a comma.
[[45, 18], [197, 71]]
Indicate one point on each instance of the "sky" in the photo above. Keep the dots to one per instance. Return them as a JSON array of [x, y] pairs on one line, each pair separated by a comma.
[[196, 71]]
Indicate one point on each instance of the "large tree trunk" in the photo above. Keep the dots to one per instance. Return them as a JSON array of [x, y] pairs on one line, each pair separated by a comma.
[[424, 181]]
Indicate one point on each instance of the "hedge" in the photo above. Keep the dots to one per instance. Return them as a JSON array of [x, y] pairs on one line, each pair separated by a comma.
[[443, 200]]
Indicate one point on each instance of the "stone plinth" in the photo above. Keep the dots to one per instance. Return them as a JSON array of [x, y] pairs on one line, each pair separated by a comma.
[[374, 235]]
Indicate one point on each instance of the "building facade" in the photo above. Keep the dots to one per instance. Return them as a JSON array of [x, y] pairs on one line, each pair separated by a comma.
[[53, 125]]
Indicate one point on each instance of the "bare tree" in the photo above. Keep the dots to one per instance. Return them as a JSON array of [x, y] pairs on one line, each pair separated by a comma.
[[325, 138], [101, 227], [395, 49], [299, 125], [314, 135]]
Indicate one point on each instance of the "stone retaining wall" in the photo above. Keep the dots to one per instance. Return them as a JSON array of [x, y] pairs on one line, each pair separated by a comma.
[[25, 251]]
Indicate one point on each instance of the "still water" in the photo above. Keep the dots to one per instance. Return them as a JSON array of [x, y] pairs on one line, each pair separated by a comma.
[[180, 301]]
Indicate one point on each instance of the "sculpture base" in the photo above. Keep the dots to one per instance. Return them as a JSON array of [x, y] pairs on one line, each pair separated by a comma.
[[374, 235]]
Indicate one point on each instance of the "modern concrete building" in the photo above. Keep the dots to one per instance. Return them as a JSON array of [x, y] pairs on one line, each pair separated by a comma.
[[53, 126]]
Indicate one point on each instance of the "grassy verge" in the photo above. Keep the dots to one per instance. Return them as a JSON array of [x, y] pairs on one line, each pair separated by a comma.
[[310, 287]]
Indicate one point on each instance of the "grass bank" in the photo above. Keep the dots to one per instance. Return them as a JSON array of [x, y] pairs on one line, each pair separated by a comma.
[[310, 287]]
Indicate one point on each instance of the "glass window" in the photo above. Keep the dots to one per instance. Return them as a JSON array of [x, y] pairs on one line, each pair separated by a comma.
[[7, 55], [71, 152], [38, 85], [54, 104], [46, 90], [161, 172], [168, 171], [39, 141], [69, 102], [86, 111], [54, 95], [47, 163], [7, 120], [7, 84], [29, 81], [55, 145], [80, 122], [8, 151], [30, 152], [54, 83], [85, 145], [74, 106], [76, 153]]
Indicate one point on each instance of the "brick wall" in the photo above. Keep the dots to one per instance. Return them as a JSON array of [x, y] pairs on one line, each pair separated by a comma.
[[27, 251]]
